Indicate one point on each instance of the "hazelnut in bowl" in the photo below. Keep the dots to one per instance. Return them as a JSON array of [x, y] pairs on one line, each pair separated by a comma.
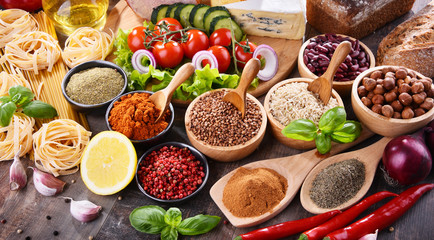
[[172, 172], [91, 86], [134, 115], [217, 129], [393, 101], [315, 55], [290, 100]]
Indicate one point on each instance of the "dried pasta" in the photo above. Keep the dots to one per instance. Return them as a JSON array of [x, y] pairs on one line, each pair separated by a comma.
[[58, 146], [86, 44], [15, 136], [33, 51], [8, 80], [15, 21]]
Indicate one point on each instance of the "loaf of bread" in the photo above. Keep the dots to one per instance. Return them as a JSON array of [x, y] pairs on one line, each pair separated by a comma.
[[411, 44], [356, 18]]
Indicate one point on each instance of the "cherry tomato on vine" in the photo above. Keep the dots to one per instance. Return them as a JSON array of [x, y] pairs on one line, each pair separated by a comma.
[[168, 55], [196, 41], [242, 55], [137, 39], [172, 25], [221, 36], [223, 57]]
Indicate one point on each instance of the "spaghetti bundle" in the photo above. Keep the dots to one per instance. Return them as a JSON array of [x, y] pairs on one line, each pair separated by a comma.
[[86, 44], [15, 21], [17, 134], [33, 51], [58, 146], [8, 80]]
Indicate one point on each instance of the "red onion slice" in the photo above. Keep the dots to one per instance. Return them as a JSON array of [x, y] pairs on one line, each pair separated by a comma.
[[136, 60], [271, 61], [204, 55]]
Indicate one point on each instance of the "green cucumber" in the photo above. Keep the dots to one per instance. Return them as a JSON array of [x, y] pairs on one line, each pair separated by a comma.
[[182, 14], [212, 13], [158, 13], [196, 15], [171, 10], [226, 22]]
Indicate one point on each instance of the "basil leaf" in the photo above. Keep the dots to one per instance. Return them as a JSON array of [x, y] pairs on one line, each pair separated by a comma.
[[173, 217], [5, 99], [169, 233], [349, 132], [148, 219], [7, 110], [20, 95], [39, 109], [323, 143], [198, 224], [332, 119], [301, 129]]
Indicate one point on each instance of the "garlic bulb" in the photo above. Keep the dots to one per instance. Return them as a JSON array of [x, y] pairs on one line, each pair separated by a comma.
[[47, 184]]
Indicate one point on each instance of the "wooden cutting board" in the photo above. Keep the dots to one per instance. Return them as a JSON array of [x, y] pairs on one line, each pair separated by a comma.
[[121, 16]]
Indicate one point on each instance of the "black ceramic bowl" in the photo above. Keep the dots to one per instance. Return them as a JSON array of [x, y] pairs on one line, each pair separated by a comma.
[[91, 64], [148, 141], [198, 155]]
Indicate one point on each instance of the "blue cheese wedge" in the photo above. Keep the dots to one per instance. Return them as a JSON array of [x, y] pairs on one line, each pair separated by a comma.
[[270, 18]]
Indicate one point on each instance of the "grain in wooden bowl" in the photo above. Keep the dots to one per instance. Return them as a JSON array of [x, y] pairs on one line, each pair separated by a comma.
[[216, 128], [315, 54], [290, 100], [392, 101]]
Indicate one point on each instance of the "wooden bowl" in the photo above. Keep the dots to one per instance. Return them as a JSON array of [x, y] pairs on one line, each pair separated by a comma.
[[277, 127], [388, 127], [226, 154], [343, 88]]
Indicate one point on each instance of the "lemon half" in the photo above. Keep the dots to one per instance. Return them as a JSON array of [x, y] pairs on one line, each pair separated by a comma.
[[108, 163]]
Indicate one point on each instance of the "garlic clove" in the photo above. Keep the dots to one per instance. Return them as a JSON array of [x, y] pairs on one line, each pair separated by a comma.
[[84, 211], [47, 184], [370, 236], [17, 174]]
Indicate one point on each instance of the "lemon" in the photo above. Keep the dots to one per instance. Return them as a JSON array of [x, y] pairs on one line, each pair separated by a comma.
[[108, 163]]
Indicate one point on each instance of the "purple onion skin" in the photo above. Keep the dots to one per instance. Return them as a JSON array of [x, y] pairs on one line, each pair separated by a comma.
[[429, 137], [406, 159]]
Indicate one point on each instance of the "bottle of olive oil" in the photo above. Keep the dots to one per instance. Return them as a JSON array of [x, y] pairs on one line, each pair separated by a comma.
[[68, 15]]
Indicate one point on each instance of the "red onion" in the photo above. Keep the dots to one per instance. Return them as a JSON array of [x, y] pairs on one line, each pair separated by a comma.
[[271, 61], [204, 55], [429, 138], [406, 159], [136, 60]]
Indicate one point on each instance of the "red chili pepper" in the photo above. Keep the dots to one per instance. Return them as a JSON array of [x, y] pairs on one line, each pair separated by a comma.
[[382, 217], [345, 218], [287, 228]]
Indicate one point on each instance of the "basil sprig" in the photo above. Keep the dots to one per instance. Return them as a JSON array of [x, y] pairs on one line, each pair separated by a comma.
[[155, 220], [332, 126], [22, 97]]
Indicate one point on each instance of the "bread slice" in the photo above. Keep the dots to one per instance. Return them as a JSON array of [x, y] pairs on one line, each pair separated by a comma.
[[411, 44], [355, 18]]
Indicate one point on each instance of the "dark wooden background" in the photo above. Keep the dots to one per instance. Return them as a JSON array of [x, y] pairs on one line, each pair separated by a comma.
[[28, 210]]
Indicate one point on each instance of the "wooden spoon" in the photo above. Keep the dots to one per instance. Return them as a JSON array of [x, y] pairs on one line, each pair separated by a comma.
[[323, 84], [162, 98], [294, 168], [370, 156], [238, 96]]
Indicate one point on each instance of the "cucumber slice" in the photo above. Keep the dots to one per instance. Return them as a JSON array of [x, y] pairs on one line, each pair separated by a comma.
[[212, 13], [226, 22], [171, 10], [158, 13], [182, 14], [196, 15]]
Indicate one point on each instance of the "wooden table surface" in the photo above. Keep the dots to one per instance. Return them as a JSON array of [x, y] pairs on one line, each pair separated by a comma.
[[28, 210]]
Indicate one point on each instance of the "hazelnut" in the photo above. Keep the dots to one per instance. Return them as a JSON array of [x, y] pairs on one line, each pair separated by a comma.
[[397, 106], [366, 101], [407, 80], [370, 95], [362, 91], [418, 112], [430, 93], [427, 104], [407, 113], [412, 74], [397, 115], [417, 87], [427, 84], [385, 70], [404, 88], [379, 89], [387, 111], [376, 108], [376, 74], [405, 99], [395, 90], [390, 96], [389, 83], [401, 73], [390, 75], [419, 98], [369, 84], [399, 82], [378, 99], [380, 81]]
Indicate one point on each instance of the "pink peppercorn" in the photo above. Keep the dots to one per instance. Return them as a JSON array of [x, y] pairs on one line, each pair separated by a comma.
[[170, 173]]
